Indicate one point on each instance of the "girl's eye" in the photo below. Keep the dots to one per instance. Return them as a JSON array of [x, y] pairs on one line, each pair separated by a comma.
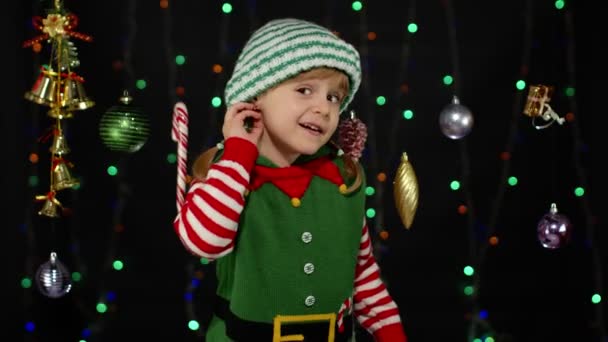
[[305, 91], [333, 98]]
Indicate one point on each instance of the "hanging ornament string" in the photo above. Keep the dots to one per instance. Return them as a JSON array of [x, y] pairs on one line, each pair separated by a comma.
[[179, 134]]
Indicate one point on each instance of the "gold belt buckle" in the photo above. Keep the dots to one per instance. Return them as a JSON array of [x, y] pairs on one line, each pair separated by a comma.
[[279, 320]]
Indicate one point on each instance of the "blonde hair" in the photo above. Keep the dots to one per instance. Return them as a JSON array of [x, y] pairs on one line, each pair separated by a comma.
[[352, 168], [203, 163]]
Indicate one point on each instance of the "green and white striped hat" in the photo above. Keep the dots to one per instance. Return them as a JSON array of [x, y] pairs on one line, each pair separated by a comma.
[[282, 49]]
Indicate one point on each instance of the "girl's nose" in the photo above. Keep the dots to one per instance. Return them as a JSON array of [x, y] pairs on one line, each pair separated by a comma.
[[321, 106]]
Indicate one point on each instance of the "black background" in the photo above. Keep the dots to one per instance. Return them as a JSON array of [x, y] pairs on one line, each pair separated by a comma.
[[530, 293]]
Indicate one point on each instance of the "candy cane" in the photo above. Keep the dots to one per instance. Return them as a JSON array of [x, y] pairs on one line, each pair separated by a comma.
[[179, 134]]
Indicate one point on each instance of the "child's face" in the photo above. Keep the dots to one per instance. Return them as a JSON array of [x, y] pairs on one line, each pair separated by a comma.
[[300, 115]]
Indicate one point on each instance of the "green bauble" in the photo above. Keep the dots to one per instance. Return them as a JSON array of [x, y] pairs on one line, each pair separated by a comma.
[[124, 128]]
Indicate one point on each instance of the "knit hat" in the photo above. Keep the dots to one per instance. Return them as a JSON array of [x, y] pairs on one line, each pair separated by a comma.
[[284, 48]]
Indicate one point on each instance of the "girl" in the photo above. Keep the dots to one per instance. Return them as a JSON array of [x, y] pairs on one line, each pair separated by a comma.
[[279, 207]]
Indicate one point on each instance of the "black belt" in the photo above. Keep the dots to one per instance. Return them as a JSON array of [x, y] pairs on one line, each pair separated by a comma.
[[242, 330]]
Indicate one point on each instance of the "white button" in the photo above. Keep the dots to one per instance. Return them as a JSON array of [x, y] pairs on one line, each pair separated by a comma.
[[309, 301], [306, 237], [309, 268]]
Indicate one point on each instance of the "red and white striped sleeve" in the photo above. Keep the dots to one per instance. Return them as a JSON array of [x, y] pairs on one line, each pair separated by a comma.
[[373, 306], [207, 222]]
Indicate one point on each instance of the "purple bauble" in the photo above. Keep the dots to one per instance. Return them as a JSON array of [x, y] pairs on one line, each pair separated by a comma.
[[554, 230]]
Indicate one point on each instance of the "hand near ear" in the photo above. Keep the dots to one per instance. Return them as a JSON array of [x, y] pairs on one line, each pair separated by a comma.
[[243, 120]]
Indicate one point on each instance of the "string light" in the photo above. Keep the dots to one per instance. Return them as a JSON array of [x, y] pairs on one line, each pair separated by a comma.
[[412, 28], [381, 177], [197, 267], [227, 7], [462, 209], [395, 128], [590, 223], [448, 80], [371, 161], [454, 81], [108, 276]]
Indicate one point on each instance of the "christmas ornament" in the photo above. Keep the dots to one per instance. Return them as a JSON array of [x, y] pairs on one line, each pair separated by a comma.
[[405, 191], [44, 90], [537, 105], [61, 178], [62, 90], [60, 144], [455, 120], [51, 205], [123, 127], [53, 278], [554, 230], [352, 134], [73, 95]]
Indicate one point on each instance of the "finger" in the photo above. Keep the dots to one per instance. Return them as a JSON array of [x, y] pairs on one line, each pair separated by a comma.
[[241, 116], [237, 108], [248, 119]]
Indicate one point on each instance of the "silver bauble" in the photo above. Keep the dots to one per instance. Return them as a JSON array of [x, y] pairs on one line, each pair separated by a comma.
[[455, 120], [53, 278]]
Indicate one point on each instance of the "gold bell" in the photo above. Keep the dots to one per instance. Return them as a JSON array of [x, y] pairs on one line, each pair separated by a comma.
[[60, 145], [50, 208], [538, 97], [44, 91], [62, 179], [73, 96]]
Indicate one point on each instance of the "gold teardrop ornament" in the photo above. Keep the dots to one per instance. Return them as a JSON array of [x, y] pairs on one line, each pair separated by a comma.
[[405, 190]]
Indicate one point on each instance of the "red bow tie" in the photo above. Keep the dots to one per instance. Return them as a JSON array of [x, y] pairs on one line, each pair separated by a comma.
[[294, 180]]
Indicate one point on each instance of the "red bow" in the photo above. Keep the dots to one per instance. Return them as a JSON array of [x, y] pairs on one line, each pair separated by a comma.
[[71, 21]]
